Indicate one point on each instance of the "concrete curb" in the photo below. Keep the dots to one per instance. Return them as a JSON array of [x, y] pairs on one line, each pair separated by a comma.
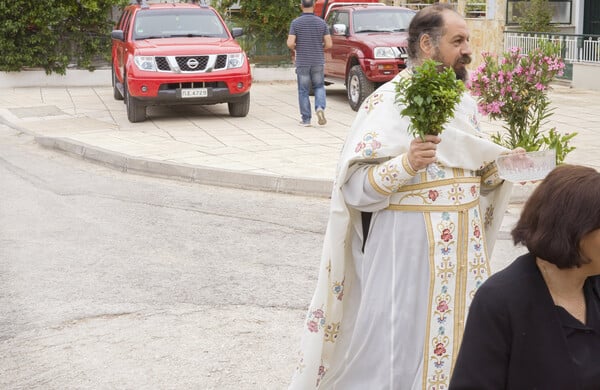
[[195, 174]]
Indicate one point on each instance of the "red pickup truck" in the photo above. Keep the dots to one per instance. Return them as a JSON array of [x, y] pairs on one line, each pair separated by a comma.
[[177, 53], [369, 44]]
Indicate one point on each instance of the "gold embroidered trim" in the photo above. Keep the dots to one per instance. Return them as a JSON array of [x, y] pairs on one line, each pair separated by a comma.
[[431, 241], [492, 170], [407, 166], [433, 208], [462, 259], [374, 184], [458, 172], [439, 183]]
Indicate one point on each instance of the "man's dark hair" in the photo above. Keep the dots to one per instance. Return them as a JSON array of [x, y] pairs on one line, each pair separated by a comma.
[[430, 21], [562, 209], [307, 3]]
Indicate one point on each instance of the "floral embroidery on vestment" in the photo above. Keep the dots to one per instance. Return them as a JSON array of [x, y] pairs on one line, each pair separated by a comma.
[[315, 320], [368, 146], [321, 373], [456, 193], [338, 290], [372, 101], [489, 216], [440, 350], [474, 120], [478, 263], [435, 171], [331, 332], [438, 381], [389, 176]]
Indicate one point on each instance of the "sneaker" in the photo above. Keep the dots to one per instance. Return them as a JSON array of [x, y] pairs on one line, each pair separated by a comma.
[[321, 116], [305, 124]]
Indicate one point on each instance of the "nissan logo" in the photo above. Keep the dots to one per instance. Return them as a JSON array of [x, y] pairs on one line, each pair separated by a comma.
[[192, 63]]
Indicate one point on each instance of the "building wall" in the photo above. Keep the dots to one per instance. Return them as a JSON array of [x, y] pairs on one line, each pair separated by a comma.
[[487, 34]]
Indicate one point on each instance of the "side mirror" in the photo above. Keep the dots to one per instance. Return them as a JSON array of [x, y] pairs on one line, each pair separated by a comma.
[[339, 29], [237, 32], [117, 34]]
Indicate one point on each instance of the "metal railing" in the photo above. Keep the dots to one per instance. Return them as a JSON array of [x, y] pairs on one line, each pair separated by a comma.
[[573, 47]]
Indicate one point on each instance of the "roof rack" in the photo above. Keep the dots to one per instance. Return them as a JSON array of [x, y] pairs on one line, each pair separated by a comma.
[[201, 3], [141, 3]]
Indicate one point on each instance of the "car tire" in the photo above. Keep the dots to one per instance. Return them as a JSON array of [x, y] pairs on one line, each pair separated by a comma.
[[116, 92], [241, 107], [358, 87], [136, 111]]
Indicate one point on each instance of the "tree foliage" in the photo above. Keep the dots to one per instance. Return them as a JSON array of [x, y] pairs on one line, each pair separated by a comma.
[[265, 19], [537, 16], [53, 34]]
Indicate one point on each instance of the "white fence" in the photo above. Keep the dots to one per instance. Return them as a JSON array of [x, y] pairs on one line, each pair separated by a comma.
[[574, 48]]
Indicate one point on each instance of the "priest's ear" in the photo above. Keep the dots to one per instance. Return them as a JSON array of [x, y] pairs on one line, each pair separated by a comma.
[[426, 45]]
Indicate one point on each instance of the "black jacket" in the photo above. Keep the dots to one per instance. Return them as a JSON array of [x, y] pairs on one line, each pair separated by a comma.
[[513, 337]]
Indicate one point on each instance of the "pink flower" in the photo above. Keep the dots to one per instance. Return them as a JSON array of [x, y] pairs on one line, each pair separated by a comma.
[[312, 326], [539, 86]]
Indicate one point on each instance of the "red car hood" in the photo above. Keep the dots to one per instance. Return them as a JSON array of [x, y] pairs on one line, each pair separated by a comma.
[[385, 39], [186, 46]]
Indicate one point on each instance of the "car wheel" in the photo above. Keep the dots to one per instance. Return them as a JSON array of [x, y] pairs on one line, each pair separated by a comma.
[[240, 108], [116, 92], [358, 87], [136, 111]]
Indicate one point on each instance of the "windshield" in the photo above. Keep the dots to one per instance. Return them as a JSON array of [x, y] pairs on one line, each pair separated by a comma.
[[384, 20], [165, 23]]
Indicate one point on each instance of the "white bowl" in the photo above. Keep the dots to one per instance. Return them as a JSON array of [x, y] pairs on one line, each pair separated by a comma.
[[530, 166]]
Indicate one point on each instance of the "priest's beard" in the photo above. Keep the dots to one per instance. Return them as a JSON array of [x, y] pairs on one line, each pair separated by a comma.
[[458, 66]]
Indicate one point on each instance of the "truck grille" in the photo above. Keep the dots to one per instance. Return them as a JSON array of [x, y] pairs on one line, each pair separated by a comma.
[[194, 84], [403, 51], [191, 64]]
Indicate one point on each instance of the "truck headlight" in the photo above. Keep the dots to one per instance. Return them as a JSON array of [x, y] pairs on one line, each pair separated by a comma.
[[146, 63], [235, 60], [385, 52]]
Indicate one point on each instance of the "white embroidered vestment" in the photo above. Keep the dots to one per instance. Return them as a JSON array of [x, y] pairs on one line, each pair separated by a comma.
[[392, 317]]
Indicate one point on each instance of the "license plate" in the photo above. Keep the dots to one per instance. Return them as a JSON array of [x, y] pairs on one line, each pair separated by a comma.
[[194, 92]]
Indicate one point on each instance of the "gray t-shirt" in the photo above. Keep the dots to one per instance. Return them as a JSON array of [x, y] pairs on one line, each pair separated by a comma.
[[309, 30]]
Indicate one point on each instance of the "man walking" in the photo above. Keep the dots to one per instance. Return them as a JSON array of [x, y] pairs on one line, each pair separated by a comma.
[[308, 37]]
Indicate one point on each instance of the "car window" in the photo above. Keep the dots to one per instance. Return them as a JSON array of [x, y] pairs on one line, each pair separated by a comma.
[[151, 24], [382, 21]]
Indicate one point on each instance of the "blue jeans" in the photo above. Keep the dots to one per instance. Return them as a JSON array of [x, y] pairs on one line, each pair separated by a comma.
[[307, 76]]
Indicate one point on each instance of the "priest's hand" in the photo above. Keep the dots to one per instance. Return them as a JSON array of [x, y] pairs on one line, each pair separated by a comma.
[[422, 151]]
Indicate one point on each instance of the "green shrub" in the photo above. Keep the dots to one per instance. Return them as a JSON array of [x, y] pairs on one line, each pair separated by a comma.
[[54, 34], [266, 25]]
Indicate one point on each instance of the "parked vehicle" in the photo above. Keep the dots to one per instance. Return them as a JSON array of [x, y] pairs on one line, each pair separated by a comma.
[[322, 7], [178, 53], [369, 45]]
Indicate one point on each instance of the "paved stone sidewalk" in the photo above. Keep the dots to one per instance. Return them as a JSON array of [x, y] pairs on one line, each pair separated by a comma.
[[266, 150]]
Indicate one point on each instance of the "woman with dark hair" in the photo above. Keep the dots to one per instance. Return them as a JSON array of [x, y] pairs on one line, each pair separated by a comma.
[[536, 324]]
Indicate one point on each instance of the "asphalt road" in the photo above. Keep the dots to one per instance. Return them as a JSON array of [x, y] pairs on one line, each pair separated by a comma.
[[112, 280]]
